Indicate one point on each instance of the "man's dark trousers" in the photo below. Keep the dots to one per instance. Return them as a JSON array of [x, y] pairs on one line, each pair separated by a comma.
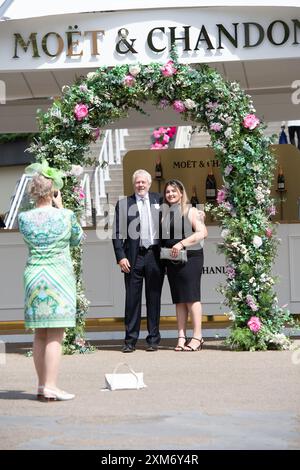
[[148, 267]]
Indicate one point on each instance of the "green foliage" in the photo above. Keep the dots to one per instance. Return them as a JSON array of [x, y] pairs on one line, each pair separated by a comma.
[[244, 207]]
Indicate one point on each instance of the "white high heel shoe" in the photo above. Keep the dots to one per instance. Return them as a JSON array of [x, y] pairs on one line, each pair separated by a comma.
[[56, 395], [40, 392]]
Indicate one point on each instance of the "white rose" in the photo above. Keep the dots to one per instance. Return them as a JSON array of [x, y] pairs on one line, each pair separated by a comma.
[[134, 70], [91, 75], [257, 241], [189, 104]]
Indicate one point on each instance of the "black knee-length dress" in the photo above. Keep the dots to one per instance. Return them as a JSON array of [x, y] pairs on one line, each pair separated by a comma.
[[184, 279]]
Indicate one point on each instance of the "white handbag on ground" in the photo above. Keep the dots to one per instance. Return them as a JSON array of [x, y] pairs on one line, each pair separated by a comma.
[[133, 380]]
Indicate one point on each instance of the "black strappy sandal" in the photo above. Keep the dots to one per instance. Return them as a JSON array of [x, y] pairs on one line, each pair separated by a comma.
[[180, 348], [190, 349]]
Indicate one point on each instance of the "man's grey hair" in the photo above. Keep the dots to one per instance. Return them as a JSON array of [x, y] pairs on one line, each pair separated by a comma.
[[141, 173]]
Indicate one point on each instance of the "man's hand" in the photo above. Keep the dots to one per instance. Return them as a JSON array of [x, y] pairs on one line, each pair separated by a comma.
[[124, 265]]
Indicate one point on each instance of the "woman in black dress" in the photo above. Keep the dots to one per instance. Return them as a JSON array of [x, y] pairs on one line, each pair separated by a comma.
[[182, 228]]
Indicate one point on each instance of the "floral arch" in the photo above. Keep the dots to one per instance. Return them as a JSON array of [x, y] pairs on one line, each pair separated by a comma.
[[244, 207]]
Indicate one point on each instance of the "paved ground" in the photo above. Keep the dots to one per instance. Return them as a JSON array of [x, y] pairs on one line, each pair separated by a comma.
[[213, 399]]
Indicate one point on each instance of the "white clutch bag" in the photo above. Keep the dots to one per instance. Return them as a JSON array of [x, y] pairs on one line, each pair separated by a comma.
[[133, 380]]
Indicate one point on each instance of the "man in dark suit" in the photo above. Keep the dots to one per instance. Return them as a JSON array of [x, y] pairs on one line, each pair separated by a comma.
[[136, 246]]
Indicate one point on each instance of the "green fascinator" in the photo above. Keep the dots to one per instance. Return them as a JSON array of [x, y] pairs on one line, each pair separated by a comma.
[[44, 169]]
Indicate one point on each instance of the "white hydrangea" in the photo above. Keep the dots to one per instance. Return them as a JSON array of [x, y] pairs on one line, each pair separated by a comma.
[[134, 70], [257, 241], [76, 170], [189, 104]]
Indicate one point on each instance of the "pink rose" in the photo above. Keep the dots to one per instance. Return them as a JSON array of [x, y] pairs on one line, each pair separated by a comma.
[[79, 192], [157, 146], [156, 134], [165, 139], [129, 80], [250, 122], [81, 111], [254, 324], [178, 106], [171, 131], [269, 232], [168, 69]]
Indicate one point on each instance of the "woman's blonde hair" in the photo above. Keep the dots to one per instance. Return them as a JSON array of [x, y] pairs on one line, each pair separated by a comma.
[[40, 187], [184, 203]]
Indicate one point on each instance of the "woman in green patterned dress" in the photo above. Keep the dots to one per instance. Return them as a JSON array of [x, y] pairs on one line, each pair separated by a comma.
[[49, 281]]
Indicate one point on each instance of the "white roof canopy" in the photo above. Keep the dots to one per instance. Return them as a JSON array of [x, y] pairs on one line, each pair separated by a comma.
[[18, 9], [267, 78]]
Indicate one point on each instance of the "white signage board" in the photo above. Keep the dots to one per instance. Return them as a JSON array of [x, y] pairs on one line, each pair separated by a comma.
[[106, 39]]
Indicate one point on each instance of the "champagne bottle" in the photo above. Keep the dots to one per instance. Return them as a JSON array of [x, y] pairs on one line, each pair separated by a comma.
[[280, 180], [211, 187], [194, 198], [158, 169]]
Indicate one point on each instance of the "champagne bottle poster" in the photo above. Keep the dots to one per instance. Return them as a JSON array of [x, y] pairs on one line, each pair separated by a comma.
[[192, 167]]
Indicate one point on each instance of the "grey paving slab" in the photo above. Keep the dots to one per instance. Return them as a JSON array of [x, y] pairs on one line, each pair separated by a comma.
[[213, 399]]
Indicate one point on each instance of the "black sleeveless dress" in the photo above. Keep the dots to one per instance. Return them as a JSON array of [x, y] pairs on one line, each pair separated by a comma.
[[184, 279]]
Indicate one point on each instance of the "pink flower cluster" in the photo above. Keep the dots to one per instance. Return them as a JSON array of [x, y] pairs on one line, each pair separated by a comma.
[[168, 69], [230, 271], [254, 324], [81, 111], [162, 136], [222, 194], [251, 303], [79, 193], [250, 122], [129, 80]]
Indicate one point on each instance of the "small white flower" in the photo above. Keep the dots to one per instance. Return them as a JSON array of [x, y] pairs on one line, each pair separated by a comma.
[[189, 104], [231, 315], [225, 232], [257, 241], [228, 133], [91, 75], [76, 170], [134, 70], [55, 112]]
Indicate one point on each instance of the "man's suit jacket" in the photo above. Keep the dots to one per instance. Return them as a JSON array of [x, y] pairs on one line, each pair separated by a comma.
[[126, 228]]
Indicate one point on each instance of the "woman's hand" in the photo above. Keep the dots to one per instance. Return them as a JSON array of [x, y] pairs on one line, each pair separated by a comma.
[[57, 200], [176, 248]]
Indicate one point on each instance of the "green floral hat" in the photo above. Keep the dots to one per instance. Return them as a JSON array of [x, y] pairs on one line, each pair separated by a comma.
[[44, 169]]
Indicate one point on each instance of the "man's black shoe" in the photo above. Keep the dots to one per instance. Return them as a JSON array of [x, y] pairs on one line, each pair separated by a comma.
[[152, 347], [128, 348]]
